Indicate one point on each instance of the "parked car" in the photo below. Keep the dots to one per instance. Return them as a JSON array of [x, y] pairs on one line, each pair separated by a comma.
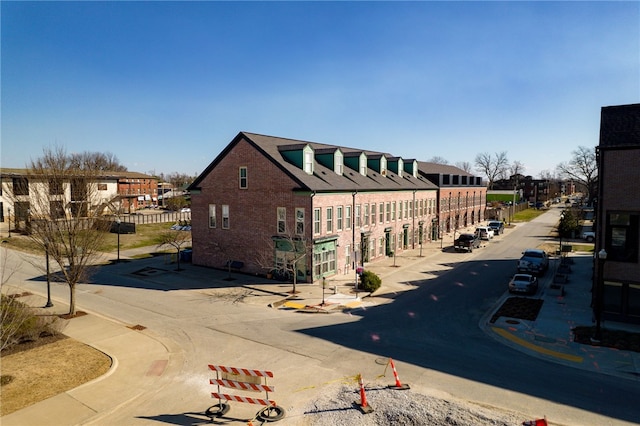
[[523, 283], [484, 233], [589, 236], [466, 242], [497, 226], [185, 210], [533, 261]]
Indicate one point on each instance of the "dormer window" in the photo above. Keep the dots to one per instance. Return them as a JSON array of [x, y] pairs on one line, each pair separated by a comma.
[[308, 160], [363, 164], [338, 162], [383, 165]]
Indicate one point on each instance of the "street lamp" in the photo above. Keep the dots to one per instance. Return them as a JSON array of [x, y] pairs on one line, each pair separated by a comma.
[[602, 257], [324, 285], [118, 221], [46, 250], [560, 226]]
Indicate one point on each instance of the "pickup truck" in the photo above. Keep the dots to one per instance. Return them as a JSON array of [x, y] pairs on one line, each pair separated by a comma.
[[466, 242], [589, 236]]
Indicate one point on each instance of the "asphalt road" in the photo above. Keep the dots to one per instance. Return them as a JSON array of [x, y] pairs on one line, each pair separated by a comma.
[[432, 333]]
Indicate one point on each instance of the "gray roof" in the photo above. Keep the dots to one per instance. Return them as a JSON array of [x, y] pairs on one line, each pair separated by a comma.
[[440, 169], [323, 178]]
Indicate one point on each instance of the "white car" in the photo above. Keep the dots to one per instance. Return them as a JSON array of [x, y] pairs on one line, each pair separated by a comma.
[[523, 283], [185, 210], [484, 232]]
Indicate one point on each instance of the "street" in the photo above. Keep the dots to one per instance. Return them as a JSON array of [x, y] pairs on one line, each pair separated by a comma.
[[433, 332]]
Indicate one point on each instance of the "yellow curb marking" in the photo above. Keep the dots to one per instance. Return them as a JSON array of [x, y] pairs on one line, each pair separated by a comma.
[[352, 304], [294, 305], [504, 333]]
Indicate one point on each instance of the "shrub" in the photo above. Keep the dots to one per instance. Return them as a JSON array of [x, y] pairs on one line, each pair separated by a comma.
[[20, 323], [370, 281]]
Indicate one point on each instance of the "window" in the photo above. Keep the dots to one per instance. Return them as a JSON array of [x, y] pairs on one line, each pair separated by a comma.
[[366, 215], [406, 209], [393, 211], [243, 178], [339, 214], [329, 220], [225, 216], [56, 188], [347, 257], [316, 221], [357, 216], [308, 160], [421, 209], [338, 163], [20, 186], [400, 210], [381, 245], [282, 220], [388, 217], [56, 209], [381, 205], [212, 215], [621, 241], [373, 213], [347, 219], [300, 221]]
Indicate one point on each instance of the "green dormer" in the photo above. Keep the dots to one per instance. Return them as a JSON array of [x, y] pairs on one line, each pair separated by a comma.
[[378, 162], [332, 158], [301, 155], [396, 165], [411, 166], [356, 161]]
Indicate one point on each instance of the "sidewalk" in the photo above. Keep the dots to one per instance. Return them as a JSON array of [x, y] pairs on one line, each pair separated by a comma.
[[143, 362]]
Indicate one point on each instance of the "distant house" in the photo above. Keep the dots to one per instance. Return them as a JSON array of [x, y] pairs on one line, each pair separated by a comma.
[[269, 203], [137, 190], [618, 213]]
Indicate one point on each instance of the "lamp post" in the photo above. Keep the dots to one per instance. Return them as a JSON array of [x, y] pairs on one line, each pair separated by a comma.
[[46, 249], [118, 221], [9, 210], [560, 226], [324, 285], [602, 257]]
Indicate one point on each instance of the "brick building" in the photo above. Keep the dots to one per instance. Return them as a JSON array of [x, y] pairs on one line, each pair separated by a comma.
[[137, 190], [462, 197], [617, 277], [321, 210]]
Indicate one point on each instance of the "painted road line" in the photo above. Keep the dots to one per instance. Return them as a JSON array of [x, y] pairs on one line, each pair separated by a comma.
[[515, 339]]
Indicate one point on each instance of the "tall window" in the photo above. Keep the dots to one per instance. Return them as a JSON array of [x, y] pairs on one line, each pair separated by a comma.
[[20, 186], [373, 213], [357, 216], [621, 240], [366, 215], [347, 219], [316, 221], [339, 217], [308, 161], [393, 211], [400, 210], [388, 217], [381, 205], [300, 221], [212, 215], [282, 220], [243, 178], [406, 209], [225, 216], [329, 220], [347, 257]]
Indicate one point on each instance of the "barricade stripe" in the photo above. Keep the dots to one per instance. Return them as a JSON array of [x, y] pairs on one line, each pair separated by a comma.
[[244, 371], [242, 385], [238, 398]]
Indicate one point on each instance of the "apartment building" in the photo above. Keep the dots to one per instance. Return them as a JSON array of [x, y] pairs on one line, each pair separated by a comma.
[[267, 203]]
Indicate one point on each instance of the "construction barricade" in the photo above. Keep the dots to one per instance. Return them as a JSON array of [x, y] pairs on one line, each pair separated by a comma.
[[244, 379]]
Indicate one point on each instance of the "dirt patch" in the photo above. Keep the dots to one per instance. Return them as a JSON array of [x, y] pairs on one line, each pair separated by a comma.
[[48, 367], [519, 307]]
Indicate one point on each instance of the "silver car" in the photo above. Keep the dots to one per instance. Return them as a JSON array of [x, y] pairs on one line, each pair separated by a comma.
[[523, 283]]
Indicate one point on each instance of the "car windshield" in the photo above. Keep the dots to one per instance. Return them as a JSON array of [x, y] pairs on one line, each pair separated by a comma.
[[521, 278], [532, 254]]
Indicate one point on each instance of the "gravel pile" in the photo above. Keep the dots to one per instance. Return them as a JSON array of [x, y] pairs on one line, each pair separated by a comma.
[[338, 406]]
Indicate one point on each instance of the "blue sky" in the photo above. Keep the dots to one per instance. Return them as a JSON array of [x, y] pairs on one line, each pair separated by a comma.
[[165, 86]]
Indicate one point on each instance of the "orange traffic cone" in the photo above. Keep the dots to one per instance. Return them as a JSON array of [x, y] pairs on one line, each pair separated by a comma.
[[398, 385], [364, 407]]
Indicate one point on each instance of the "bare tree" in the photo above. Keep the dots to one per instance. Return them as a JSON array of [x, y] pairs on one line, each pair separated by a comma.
[[464, 165], [492, 166], [438, 160], [96, 161], [285, 255], [175, 238], [582, 168], [59, 204], [13, 315], [516, 168]]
